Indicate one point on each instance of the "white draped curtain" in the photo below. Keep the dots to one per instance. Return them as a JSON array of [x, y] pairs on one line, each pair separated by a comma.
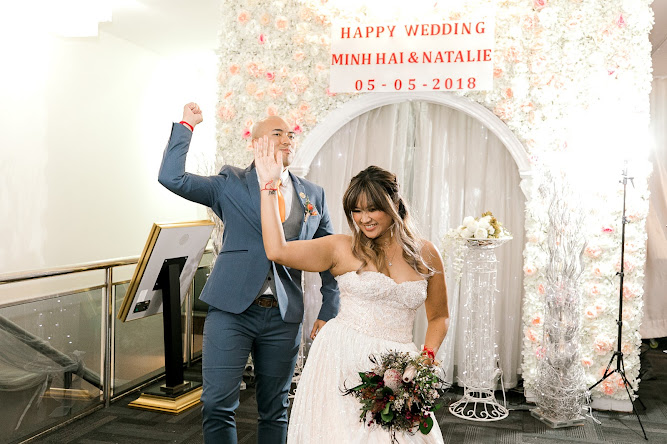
[[654, 324], [449, 166]]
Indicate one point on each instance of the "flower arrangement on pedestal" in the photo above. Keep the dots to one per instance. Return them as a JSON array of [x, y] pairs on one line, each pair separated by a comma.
[[455, 241]]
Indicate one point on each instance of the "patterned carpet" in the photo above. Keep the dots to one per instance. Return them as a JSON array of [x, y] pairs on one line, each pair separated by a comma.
[[120, 424]]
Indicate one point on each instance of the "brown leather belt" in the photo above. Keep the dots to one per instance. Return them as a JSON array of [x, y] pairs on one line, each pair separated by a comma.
[[266, 302]]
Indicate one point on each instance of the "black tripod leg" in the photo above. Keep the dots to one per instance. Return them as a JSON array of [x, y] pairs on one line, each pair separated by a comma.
[[626, 384], [606, 373]]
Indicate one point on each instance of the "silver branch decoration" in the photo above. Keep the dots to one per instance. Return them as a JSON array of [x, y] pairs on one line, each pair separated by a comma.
[[561, 388]]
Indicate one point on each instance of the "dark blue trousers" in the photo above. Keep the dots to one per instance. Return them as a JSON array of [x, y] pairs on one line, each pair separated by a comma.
[[228, 339]]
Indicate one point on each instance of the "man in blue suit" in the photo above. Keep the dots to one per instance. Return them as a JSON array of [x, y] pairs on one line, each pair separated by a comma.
[[256, 306]]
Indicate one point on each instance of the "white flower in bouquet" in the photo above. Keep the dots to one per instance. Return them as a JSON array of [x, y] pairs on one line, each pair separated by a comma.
[[409, 373]]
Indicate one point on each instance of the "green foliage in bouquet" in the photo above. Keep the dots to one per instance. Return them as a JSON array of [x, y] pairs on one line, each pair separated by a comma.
[[399, 393]]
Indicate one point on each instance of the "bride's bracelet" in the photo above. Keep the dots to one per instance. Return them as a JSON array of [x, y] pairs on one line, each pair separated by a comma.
[[428, 352]]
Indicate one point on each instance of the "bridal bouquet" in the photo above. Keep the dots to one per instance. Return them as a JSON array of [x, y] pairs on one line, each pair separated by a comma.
[[399, 393]]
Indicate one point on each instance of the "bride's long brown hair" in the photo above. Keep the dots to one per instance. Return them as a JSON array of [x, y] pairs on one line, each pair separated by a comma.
[[380, 189]]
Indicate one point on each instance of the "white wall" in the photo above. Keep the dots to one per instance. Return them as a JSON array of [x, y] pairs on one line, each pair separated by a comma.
[[83, 123]]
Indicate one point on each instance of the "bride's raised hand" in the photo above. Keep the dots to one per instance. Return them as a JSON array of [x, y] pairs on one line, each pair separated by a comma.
[[268, 161]]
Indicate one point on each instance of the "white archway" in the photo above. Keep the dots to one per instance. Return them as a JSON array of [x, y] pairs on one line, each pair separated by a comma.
[[316, 139]]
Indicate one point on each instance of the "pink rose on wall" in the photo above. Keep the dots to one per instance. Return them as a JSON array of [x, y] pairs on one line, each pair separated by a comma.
[[322, 19], [251, 88], [628, 314], [261, 39], [246, 133], [628, 265], [497, 73], [253, 69], [270, 76], [503, 110], [536, 321], [265, 19], [297, 129], [620, 21], [574, 22], [226, 113], [530, 335], [227, 95], [513, 54], [540, 352], [234, 69], [529, 22], [299, 39], [299, 56], [541, 289], [591, 313], [602, 345], [529, 269], [259, 95], [281, 22], [593, 251], [243, 17], [594, 290], [626, 349], [629, 293], [275, 91], [608, 388], [299, 83], [607, 230], [587, 362], [539, 4]]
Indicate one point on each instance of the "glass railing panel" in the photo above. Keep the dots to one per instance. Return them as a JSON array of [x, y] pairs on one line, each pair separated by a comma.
[[139, 348], [39, 343]]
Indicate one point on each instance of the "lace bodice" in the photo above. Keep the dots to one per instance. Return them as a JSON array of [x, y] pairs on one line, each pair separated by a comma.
[[374, 304]]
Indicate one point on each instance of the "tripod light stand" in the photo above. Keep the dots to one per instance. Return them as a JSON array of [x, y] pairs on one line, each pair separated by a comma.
[[618, 354]]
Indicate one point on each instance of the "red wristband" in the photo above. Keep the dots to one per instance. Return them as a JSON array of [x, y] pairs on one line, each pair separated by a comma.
[[183, 122], [428, 352]]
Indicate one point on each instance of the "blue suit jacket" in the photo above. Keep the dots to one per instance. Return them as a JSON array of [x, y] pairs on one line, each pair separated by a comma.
[[242, 266]]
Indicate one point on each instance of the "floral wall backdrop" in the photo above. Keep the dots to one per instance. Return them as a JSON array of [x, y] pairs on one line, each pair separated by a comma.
[[571, 80]]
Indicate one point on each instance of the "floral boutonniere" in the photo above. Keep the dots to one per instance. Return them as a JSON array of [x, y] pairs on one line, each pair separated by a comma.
[[309, 207]]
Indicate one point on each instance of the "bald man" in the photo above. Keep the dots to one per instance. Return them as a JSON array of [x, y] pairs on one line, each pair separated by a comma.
[[256, 306]]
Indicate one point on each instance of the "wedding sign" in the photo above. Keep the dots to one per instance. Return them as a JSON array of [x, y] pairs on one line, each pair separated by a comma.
[[444, 56]]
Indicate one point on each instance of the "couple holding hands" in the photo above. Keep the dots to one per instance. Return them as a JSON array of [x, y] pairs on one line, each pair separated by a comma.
[[275, 226]]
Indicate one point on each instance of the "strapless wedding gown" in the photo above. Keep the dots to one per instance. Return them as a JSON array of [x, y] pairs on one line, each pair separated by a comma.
[[376, 315]]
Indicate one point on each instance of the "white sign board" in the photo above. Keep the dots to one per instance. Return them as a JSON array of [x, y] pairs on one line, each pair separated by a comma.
[[444, 56]]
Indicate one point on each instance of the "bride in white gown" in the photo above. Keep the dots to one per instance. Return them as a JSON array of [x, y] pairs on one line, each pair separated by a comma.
[[384, 273]]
